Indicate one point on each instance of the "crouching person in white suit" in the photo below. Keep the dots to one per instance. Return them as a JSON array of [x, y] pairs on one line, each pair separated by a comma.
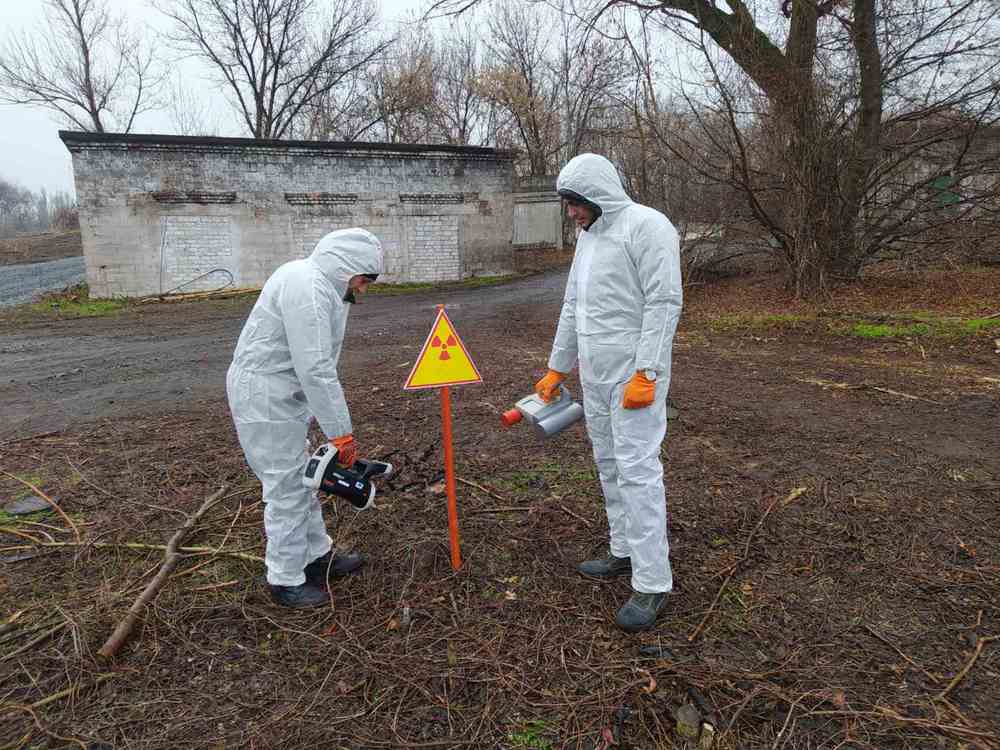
[[284, 371]]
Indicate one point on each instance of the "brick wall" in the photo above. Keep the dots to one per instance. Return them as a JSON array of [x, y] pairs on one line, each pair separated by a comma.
[[157, 212]]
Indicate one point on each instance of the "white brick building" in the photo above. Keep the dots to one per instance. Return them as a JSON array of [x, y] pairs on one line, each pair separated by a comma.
[[161, 213]]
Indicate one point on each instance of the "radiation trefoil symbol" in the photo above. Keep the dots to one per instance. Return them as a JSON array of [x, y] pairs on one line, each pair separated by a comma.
[[437, 342]]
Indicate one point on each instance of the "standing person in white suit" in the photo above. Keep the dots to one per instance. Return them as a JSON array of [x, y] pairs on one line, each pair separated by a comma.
[[284, 371], [623, 300]]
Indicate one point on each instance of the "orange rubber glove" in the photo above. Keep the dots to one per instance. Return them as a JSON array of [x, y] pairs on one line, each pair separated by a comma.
[[347, 450], [547, 387], [639, 392]]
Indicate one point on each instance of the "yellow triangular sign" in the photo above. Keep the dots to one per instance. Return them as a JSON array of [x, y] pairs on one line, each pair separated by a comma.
[[443, 360]]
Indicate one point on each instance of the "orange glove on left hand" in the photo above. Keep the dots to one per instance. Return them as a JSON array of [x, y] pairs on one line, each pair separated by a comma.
[[546, 387], [640, 392], [347, 450]]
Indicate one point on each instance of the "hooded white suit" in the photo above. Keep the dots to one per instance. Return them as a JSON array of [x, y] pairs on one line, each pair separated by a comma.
[[623, 300], [284, 370]]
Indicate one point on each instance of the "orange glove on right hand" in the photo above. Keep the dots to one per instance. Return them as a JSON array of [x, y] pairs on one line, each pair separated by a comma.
[[347, 450], [548, 386], [640, 392]]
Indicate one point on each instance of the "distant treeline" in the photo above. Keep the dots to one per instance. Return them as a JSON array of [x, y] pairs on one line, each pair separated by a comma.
[[23, 210]]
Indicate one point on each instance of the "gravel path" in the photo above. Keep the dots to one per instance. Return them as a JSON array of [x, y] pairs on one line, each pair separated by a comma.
[[23, 283], [159, 358]]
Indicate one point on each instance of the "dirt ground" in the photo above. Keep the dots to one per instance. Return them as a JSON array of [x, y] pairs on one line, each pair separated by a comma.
[[834, 519], [43, 246]]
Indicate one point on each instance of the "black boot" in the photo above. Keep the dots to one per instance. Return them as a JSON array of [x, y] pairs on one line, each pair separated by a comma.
[[640, 611], [344, 563], [303, 596], [608, 566]]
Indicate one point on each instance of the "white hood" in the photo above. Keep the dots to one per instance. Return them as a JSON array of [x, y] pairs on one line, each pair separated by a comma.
[[346, 253], [597, 180]]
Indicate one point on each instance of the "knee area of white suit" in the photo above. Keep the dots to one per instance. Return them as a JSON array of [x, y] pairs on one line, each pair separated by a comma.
[[639, 472]]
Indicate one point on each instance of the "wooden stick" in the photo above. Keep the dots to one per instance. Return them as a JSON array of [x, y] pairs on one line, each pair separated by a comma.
[[34, 641], [480, 487], [171, 558], [896, 648], [140, 547], [735, 566], [570, 513], [49, 500], [980, 645], [69, 691], [503, 509]]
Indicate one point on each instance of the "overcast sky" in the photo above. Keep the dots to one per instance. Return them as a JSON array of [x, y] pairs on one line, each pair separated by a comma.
[[31, 153]]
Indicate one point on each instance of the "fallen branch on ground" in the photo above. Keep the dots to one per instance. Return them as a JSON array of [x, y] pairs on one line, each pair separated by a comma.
[[735, 566], [863, 386], [980, 645], [49, 500], [482, 489], [171, 558], [35, 641], [139, 547]]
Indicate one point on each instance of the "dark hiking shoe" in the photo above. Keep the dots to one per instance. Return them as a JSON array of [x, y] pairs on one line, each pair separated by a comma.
[[608, 566], [640, 611], [303, 596], [344, 563]]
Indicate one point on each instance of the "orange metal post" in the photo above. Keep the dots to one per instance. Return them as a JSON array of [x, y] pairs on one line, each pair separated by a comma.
[[449, 475]]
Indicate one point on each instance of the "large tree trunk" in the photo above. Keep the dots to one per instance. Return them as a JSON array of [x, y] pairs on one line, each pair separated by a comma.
[[822, 199]]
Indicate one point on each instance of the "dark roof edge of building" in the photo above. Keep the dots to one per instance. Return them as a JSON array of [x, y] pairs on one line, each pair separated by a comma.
[[69, 137]]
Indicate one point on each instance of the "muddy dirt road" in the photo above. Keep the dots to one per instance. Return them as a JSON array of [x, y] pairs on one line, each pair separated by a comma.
[[159, 358]]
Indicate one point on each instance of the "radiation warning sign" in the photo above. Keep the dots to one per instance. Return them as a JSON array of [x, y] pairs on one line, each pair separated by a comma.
[[444, 360]]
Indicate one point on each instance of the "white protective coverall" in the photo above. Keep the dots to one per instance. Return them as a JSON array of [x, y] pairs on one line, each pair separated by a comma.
[[284, 370], [622, 303]]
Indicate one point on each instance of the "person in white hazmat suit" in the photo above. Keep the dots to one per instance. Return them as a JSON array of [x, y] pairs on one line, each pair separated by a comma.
[[284, 371], [621, 307]]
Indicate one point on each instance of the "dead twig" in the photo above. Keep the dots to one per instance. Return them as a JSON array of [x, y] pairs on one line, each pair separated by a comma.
[[504, 509], [980, 645], [895, 648], [41, 727], [69, 691], [49, 500], [35, 641], [849, 387], [735, 566], [480, 487], [171, 557], [140, 547], [570, 513]]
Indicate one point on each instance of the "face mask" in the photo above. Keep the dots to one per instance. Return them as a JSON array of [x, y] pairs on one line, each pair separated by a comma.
[[349, 297]]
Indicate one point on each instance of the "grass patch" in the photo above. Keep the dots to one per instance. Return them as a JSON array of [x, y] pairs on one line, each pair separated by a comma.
[[883, 330], [982, 324], [11, 521], [530, 737], [20, 491], [927, 326], [473, 282], [74, 302]]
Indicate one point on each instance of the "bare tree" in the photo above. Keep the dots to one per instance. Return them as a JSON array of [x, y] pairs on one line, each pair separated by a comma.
[[189, 114], [462, 115], [551, 75], [836, 114], [277, 58], [84, 63], [401, 90]]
